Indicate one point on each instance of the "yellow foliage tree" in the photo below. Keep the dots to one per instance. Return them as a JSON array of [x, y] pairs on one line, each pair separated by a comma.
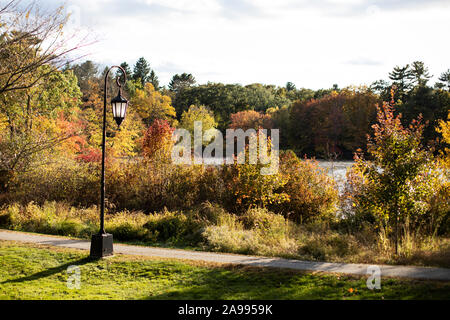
[[121, 142], [151, 105], [444, 129]]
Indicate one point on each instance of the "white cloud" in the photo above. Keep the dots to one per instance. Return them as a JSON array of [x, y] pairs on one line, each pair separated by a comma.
[[269, 41], [198, 6]]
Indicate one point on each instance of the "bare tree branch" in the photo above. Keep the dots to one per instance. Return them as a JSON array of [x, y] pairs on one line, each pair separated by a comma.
[[30, 39]]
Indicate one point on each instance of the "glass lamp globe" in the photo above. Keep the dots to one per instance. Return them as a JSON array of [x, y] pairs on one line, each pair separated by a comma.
[[119, 108]]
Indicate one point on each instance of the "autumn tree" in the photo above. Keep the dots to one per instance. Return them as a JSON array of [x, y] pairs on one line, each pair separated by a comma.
[[359, 113], [280, 118], [197, 113], [57, 92], [121, 141], [30, 39], [36, 91], [334, 125], [157, 141], [151, 105], [400, 182], [250, 119], [32, 121], [444, 129], [226, 99]]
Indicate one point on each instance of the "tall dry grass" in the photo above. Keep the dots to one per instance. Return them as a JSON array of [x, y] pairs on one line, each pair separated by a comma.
[[209, 227]]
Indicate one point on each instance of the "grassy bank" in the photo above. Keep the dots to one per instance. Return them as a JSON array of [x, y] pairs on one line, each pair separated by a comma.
[[210, 228], [37, 272]]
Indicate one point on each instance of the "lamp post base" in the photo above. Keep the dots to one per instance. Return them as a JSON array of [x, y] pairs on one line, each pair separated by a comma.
[[101, 245]]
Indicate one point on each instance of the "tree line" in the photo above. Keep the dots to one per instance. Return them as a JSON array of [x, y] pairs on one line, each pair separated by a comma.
[[48, 101], [322, 123]]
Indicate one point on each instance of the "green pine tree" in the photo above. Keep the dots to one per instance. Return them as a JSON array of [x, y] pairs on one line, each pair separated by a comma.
[[141, 71]]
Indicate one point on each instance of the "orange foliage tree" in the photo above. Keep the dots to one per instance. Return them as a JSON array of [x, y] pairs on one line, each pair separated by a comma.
[[250, 119], [334, 125], [157, 140]]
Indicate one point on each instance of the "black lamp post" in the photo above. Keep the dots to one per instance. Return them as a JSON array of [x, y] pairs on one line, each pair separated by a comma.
[[102, 243]]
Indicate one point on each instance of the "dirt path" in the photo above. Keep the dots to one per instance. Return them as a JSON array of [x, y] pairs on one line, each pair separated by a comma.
[[426, 273]]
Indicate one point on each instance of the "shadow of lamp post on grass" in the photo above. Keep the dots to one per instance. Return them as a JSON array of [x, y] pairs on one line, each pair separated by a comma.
[[102, 242]]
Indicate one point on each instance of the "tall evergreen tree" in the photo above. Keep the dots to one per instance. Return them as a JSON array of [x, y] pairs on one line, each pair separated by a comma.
[[382, 88], [401, 77], [181, 81], [153, 79], [127, 69], [444, 79], [290, 86], [141, 71], [85, 71], [420, 73], [144, 74]]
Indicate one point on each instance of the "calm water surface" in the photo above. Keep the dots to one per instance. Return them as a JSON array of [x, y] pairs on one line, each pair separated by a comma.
[[336, 169]]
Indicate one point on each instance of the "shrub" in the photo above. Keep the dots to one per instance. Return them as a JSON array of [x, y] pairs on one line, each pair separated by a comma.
[[209, 213], [312, 192], [174, 227], [227, 239], [9, 216], [66, 228], [313, 250], [51, 217], [299, 189], [246, 185], [63, 180], [128, 226], [265, 222], [257, 231], [328, 246], [252, 189], [149, 185]]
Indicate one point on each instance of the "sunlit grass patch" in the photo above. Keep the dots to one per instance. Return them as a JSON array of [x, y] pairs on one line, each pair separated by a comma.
[[40, 272]]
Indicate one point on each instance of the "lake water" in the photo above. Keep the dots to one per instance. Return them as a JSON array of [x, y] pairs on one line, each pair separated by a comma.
[[336, 169]]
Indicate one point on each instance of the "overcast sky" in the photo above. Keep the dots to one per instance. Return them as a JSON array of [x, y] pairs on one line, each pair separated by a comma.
[[312, 43]]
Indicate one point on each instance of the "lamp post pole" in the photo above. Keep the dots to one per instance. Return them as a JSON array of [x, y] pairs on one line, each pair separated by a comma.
[[102, 243]]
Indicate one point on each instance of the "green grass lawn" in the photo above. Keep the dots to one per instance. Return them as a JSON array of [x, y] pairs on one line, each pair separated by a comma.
[[37, 272]]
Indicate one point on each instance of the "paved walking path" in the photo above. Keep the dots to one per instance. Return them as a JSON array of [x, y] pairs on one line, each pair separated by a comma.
[[348, 268]]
